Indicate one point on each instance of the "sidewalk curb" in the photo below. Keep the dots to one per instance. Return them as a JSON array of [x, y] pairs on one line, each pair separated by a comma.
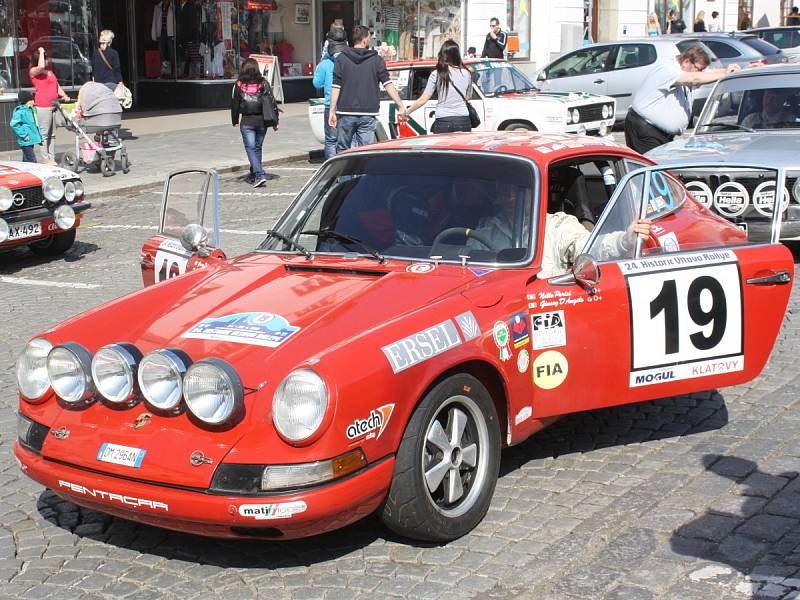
[[100, 198]]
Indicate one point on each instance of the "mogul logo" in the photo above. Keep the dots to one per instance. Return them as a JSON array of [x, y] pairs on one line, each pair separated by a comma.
[[377, 420], [658, 377], [114, 498], [263, 512]]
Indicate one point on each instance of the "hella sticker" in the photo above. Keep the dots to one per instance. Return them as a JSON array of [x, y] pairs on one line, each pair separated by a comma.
[[264, 512], [371, 427]]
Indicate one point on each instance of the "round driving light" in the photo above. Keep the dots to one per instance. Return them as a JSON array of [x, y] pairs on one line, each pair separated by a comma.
[[606, 111], [53, 189], [213, 391], [31, 368], [78, 188], [160, 379], [69, 191], [796, 190], [6, 198], [576, 115], [3, 231], [299, 405], [114, 372], [69, 369], [64, 217]]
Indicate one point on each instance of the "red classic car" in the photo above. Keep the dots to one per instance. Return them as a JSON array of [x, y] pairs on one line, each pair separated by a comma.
[[410, 314], [40, 206]]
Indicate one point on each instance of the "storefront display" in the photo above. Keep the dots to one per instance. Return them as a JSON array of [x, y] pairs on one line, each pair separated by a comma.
[[407, 29]]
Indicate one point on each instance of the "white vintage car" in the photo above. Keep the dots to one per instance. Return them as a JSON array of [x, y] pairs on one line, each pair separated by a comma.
[[503, 96]]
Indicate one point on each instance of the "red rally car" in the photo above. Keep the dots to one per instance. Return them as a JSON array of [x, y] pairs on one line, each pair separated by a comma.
[[40, 206], [411, 313]]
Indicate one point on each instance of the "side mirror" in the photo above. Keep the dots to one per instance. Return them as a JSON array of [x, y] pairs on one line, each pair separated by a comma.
[[194, 238], [587, 272], [542, 76]]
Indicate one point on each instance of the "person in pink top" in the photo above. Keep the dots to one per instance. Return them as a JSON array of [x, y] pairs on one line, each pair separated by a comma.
[[47, 89]]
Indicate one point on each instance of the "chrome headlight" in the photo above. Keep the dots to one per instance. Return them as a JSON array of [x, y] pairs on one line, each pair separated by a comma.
[[576, 115], [160, 378], [213, 391], [796, 190], [69, 367], [3, 231], [64, 217], [32, 379], [114, 371], [299, 405], [69, 191], [6, 198], [606, 111], [53, 189], [78, 188]]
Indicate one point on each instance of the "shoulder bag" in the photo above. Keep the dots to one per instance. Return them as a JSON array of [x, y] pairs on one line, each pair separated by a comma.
[[474, 119], [269, 107], [122, 93]]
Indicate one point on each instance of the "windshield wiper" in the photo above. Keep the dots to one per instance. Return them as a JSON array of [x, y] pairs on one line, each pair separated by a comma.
[[299, 247], [343, 237], [729, 126]]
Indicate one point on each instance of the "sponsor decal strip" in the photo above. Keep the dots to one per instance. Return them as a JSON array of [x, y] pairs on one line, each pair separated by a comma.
[[377, 420], [665, 263], [264, 512], [112, 497], [254, 328], [687, 371]]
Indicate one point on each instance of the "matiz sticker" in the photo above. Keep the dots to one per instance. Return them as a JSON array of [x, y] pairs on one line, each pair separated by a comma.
[[549, 330], [265, 512], [550, 369], [254, 328], [371, 427], [519, 329]]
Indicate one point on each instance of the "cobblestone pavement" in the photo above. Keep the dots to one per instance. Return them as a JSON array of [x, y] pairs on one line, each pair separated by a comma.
[[695, 497]]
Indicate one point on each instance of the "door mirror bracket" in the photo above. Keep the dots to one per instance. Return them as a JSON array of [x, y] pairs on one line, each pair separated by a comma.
[[194, 238], [586, 272]]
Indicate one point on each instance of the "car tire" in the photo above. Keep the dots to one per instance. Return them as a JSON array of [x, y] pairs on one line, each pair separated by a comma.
[[427, 458], [54, 244], [519, 126], [69, 160]]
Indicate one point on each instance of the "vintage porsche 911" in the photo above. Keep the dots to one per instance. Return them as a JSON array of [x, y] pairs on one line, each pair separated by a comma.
[[410, 314]]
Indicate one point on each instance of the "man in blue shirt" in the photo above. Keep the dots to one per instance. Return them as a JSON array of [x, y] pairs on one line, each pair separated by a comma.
[[323, 80]]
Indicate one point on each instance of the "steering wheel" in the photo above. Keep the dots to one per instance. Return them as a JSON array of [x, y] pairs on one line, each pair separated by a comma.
[[500, 89], [462, 231]]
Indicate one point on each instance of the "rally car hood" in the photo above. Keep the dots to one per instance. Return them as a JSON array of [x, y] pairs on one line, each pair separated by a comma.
[[265, 315], [773, 148], [567, 98], [16, 174]]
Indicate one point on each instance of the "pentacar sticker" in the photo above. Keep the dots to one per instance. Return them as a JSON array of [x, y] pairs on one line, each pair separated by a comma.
[[550, 369]]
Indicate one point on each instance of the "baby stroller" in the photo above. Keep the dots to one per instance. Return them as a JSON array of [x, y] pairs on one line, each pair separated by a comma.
[[98, 150]]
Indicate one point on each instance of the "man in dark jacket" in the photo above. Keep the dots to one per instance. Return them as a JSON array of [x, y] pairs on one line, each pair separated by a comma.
[[355, 95], [496, 40]]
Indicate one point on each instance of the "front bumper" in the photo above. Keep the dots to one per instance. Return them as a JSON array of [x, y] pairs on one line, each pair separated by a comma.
[[326, 507], [591, 127], [43, 216]]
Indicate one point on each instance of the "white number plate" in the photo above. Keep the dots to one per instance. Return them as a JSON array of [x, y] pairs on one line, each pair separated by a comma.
[[686, 321], [121, 455], [18, 231]]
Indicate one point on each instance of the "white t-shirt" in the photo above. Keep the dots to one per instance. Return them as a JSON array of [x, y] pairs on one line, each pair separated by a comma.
[[661, 101], [451, 104]]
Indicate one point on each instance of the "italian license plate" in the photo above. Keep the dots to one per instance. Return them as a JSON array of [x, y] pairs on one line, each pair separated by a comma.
[[121, 455], [18, 231]]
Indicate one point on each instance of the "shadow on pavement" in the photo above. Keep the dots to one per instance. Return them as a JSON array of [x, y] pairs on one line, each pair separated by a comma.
[[20, 258], [756, 530]]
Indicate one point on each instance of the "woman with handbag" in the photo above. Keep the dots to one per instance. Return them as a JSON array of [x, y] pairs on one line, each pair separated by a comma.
[[253, 109], [105, 62], [452, 82]]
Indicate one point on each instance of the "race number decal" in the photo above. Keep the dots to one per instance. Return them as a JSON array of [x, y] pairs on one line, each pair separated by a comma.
[[686, 317], [171, 260]]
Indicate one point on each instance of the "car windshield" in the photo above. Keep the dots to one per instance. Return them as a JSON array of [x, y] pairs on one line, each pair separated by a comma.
[[501, 77], [751, 103], [414, 206]]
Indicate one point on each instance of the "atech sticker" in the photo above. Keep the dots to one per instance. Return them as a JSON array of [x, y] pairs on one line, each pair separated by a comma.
[[550, 369], [377, 421]]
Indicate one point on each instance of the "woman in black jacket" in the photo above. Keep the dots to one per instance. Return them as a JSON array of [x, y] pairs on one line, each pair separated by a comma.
[[105, 62], [249, 112]]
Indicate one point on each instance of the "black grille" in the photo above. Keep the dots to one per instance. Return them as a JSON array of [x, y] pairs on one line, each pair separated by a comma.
[[33, 198], [590, 113]]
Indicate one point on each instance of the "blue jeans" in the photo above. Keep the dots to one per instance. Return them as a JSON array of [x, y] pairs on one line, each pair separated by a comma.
[[330, 136], [28, 154], [253, 138], [355, 130], [450, 124]]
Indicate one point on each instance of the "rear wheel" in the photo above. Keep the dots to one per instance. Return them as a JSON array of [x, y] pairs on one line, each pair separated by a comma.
[[519, 126], [69, 161], [446, 467], [107, 166], [55, 244]]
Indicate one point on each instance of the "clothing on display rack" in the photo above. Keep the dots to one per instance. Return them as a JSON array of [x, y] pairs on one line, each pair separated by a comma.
[[392, 15], [162, 31]]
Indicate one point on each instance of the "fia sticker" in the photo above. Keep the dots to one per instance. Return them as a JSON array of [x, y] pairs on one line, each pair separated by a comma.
[[669, 242], [519, 329], [523, 360], [549, 330], [523, 415], [420, 268], [550, 369], [501, 337]]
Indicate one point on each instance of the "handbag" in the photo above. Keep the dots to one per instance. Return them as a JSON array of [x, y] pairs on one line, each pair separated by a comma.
[[122, 93], [474, 119], [269, 107]]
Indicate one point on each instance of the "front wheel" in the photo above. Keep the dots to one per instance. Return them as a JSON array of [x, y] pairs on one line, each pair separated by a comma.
[[54, 244], [107, 166], [447, 464], [519, 127]]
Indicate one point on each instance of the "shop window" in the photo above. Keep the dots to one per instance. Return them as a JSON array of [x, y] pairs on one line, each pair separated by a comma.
[[519, 21], [8, 59]]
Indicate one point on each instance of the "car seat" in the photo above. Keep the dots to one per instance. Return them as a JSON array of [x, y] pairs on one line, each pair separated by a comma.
[[567, 192]]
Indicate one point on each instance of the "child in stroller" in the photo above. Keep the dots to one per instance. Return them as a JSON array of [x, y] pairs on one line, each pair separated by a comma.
[[97, 112]]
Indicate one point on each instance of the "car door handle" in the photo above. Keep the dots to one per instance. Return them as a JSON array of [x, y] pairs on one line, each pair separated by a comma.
[[781, 277], [599, 80]]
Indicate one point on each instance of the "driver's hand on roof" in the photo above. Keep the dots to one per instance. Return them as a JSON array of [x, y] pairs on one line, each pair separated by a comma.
[[641, 227]]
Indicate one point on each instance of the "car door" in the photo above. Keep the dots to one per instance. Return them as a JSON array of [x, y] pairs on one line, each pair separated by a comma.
[[582, 70], [697, 313], [190, 198], [631, 63], [389, 127]]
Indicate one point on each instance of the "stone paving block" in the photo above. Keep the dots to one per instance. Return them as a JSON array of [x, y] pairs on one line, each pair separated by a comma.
[[762, 484], [741, 549], [731, 466], [709, 527], [629, 592], [588, 581], [767, 527]]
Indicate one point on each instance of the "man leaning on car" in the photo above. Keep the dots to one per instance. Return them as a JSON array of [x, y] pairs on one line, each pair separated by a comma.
[[661, 108]]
